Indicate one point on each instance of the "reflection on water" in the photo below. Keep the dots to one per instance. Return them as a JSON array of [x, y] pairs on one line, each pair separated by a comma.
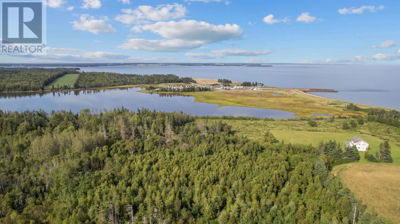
[[102, 100]]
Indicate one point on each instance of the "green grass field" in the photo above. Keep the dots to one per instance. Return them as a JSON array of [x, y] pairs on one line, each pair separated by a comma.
[[67, 80], [299, 132]]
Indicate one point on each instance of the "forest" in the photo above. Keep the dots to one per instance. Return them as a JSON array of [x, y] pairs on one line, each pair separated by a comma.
[[152, 167], [97, 79], [17, 80], [29, 79]]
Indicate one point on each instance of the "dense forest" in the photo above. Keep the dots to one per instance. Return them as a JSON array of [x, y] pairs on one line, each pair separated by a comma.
[[38, 79], [96, 79], [28, 79], [149, 167]]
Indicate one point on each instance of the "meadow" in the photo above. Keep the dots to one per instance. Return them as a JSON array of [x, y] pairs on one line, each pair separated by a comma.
[[66, 81], [377, 185]]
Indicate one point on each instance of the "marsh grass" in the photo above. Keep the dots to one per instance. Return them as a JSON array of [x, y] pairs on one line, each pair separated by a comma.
[[292, 100]]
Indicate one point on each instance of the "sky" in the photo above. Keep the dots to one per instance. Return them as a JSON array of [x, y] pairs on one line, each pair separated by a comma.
[[245, 31]]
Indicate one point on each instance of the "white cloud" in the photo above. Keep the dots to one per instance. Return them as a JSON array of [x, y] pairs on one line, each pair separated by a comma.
[[208, 1], [361, 10], [182, 35], [192, 30], [385, 57], [60, 49], [205, 1], [375, 57], [70, 8], [91, 4], [79, 56], [98, 55], [160, 45], [270, 19], [256, 60], [305, 17], [386, 44], [145, 13], [202, 55], [127, 2], [55, 3], [228, 53], [93, 25]]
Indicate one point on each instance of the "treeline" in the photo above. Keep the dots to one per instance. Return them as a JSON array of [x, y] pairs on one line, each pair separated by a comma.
[[148, 167], [225, 82], [35, 79], [334, 154], [28, 79], [390, 117], [248, 84], [383, 155], [104, 79]]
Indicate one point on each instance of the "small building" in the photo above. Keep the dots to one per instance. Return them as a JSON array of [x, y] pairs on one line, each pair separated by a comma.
[[359, 143]]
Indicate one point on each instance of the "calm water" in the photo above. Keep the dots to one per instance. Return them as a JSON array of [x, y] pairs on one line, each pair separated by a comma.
[[377, 85], [99, 101]]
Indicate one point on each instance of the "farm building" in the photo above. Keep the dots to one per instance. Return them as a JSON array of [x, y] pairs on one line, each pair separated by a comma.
[[359, 143]]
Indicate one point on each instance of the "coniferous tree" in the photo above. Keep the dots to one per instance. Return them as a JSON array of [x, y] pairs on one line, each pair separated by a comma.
[[345, 125], [350, 154], [385, 154], [150, 167], [312, 123], [270, 138], [370, 157]]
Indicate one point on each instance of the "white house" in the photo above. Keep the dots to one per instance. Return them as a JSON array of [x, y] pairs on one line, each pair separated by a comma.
[[359, 143]]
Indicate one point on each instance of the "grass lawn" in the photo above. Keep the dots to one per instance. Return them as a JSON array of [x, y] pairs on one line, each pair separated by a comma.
[[301, 104], [376, 185], [314, 138], [300, 132], [68, 80]]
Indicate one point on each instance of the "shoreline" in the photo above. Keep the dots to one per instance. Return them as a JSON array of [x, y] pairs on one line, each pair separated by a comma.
[[299, 101]]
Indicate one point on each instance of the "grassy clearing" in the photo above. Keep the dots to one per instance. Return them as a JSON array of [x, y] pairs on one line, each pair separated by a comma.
[[206, 81], [302, 104], [376, 185], [67, 80], [299, 132]]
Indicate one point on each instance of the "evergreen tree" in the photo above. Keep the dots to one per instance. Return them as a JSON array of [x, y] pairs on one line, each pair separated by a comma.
[[345, 125], [350, 154], [270, 138], [353, 124], [385, 154], [370, 157], [312, 123]]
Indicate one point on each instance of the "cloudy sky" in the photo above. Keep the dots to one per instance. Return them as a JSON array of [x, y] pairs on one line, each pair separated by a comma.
[[284, 31]]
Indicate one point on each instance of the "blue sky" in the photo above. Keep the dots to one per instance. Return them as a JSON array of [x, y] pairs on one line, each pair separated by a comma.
[[284, 31]]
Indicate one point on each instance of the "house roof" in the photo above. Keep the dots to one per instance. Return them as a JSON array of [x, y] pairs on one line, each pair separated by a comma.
[[357, 139]]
